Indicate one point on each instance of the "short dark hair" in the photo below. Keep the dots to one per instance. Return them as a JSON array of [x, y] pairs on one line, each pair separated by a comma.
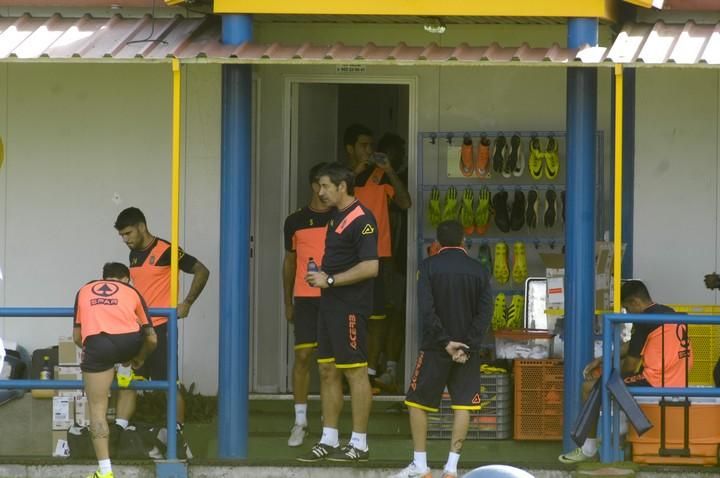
[[313, 175], [634, 289], [337, 174], [131, 216], [353, 132], [115, 270], [450, 233]]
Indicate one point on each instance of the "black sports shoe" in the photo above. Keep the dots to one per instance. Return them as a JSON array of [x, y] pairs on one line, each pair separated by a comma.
[[550, 208], [532, 209], [349, 454], [500, 207], [517, 212], [499, 157], [318, 452]]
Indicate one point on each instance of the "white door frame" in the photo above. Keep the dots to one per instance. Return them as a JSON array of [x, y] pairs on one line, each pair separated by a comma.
[[289, 189]]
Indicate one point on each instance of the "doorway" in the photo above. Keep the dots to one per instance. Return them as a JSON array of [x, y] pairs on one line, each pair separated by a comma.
[[319, 114]]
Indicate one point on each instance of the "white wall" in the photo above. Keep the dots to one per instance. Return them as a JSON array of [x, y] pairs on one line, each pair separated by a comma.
[[84, 142], [676, 182]]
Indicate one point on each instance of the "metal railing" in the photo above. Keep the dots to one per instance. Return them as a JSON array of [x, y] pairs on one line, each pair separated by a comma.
[[172, 340], [610, 446]]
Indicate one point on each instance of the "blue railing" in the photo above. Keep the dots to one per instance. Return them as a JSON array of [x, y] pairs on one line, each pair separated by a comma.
[[172, 339], [610, 447]]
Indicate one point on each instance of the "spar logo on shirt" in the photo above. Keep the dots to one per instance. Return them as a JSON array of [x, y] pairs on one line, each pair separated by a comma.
[[103, 292]]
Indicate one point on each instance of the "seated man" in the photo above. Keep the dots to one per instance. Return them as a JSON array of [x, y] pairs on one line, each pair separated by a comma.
[[641, 357]]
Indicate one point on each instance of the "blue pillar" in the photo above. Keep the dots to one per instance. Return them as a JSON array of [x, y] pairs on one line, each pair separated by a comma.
[[580, 222], [628, 193], [235, 210]]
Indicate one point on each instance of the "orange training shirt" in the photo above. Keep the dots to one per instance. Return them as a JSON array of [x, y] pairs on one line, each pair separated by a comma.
[[109, 306], [150, 273], [374, 195], [674, 357]]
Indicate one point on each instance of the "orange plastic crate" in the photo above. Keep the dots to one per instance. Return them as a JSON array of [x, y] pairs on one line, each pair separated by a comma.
[[538, 399]]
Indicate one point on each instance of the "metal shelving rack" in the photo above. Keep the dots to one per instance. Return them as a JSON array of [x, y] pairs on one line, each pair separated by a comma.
[[555, 240]]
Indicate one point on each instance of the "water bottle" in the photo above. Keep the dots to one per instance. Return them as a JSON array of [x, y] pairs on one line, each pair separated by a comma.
[[45, 371], [312, 267]]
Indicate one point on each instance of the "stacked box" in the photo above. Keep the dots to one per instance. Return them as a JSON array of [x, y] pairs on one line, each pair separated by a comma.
[[538, 399], [492, 422]]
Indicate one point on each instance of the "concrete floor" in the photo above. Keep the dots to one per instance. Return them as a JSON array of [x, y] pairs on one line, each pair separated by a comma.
[[25, 448]]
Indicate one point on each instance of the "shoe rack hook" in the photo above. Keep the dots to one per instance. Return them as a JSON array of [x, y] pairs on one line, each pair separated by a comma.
[[536, 243], [449, 138], [552, 244], [433, 138]]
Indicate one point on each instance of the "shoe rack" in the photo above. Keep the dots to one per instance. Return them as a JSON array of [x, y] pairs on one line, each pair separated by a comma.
[[440, 168]]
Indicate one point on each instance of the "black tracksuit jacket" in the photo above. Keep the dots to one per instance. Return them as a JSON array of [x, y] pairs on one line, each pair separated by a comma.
[[455, 300]]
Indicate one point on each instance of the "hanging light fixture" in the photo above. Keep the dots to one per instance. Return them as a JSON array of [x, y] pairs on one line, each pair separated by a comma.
[[435, 25]]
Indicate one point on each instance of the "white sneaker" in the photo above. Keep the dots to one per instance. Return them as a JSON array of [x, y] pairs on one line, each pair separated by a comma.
[[297, 435], [412, 471]]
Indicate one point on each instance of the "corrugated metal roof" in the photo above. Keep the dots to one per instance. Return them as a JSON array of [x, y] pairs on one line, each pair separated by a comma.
[[661, 43], [198, 39], [118, 38]]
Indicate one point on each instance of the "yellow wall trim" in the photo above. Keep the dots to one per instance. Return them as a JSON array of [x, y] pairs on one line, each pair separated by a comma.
[[603, 9]]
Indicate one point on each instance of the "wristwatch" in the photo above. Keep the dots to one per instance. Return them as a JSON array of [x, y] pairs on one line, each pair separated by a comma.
[[330, 281]]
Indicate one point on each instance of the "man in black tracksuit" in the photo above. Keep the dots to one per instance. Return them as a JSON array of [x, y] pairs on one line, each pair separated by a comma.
[[455, 308]]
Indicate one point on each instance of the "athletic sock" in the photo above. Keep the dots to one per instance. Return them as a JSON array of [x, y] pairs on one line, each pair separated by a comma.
[[179, 426], [329, 437], [359, 441], [122, 423], [452, 462], [589, 448], [301, 414], [420, 460], [105, 466]]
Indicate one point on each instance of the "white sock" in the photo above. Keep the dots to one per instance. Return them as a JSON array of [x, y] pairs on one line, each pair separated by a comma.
[[301, 414], [391, 367], [359, 441], [179, 426], [329, 437], [372, 371], [105, 466], [420, 460], [452, 462], [589, 448], [121, 422]]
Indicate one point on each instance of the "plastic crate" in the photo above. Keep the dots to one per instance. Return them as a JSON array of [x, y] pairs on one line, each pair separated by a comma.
[[538, 399], [492, 422], [705, 344]]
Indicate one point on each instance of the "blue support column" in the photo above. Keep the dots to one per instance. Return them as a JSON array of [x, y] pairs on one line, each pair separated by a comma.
[[580, 222], [628, 193], [235, 210]]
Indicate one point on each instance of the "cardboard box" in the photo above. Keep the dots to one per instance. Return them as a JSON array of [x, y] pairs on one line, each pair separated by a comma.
[[72, 372], [555, 272], [59, 444], [63, 413], [82, 412], [68, 352]]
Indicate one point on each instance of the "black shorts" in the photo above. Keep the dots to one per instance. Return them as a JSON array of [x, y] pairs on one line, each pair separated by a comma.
[[155, 366], [101, 352], [307, 310], [379, 311], [434, 370], [342, 338]]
